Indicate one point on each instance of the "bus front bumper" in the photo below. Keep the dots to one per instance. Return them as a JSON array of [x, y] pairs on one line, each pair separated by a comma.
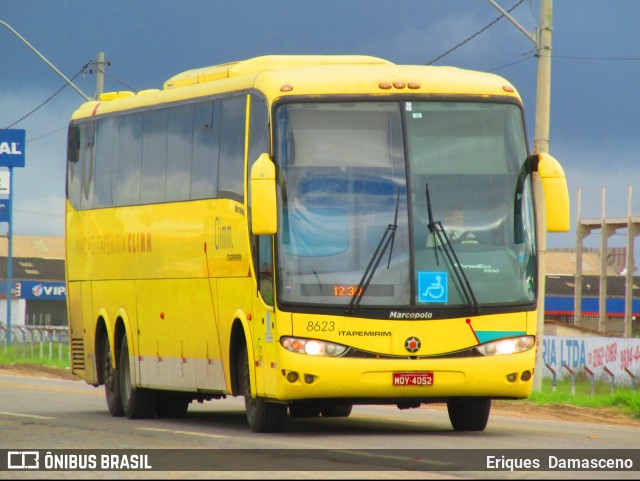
[[301, 376]]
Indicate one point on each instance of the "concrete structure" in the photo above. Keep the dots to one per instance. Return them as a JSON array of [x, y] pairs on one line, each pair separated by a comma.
[[608, 227]]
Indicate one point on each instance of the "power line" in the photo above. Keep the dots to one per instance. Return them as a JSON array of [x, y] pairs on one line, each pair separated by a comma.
[[613, 59], [86, 68], [474, 35], [528, 57], [531, 55], [120, 82], [47, 134], [43, 103], [47, 214]]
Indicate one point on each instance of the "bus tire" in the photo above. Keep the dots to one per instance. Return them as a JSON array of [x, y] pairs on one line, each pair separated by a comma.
[[304, 409], [263, 416], [469, 414], [172, 405], [111, 378], [137, 403], [336, 410]]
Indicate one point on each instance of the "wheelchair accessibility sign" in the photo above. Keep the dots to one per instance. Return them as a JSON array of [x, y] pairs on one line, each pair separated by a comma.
[[433, 287]]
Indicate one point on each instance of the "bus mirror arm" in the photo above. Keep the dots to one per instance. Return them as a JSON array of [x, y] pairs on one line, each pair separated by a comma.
[[263, 196]]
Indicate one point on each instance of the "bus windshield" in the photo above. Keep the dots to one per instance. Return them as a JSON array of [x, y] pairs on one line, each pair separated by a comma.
[[348, 171]]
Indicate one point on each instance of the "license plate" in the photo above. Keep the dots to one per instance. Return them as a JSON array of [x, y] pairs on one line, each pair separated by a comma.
[[413, 379]]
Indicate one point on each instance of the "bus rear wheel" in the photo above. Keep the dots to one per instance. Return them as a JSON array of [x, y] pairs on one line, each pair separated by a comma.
[[469, 414], [137, 403], [111, 379], [263, 416]]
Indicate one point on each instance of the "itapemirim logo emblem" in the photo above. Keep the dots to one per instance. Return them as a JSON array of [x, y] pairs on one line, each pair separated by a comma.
[[412, 344]]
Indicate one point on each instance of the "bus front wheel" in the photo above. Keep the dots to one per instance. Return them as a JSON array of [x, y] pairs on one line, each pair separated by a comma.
[[469, 414], [137, 403], [263, 416]]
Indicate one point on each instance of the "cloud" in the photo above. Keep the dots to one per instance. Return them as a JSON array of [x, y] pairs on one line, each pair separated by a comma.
[[39, 187], [420, 45], [590, 169]]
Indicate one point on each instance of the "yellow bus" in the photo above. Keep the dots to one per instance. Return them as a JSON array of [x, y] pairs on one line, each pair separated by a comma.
[[309, 233]]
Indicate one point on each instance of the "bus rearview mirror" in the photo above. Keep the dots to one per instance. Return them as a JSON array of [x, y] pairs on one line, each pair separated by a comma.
[[263, 197], [556, 192]]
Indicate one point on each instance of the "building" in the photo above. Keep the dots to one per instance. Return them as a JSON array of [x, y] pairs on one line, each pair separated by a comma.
[[560, 292], [38, 286]]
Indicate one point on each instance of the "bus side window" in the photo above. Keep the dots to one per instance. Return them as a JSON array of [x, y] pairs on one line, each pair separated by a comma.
[[258, 144], [179, 153], [265, 268], [154, 156], [74, 173], [104, 184], [206, 148], [232, 136], [87, 158], [129, 159]]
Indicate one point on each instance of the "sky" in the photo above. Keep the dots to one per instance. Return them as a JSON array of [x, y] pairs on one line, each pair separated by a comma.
[[595, 73]]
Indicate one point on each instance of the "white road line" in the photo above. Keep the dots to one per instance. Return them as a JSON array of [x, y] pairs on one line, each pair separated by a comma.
[[186, 433], [20, 415]]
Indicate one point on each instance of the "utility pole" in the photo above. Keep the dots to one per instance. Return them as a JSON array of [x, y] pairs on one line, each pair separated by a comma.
[[100, 74], [542, 42]]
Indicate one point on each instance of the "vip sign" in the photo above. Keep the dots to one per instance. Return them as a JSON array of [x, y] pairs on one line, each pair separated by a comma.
[[12, 143]]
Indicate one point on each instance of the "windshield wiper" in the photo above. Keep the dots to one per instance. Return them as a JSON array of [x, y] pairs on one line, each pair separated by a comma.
[[437, 230], [387, 239]]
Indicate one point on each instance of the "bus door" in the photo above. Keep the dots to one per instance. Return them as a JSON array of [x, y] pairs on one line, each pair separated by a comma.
[[263, 318]]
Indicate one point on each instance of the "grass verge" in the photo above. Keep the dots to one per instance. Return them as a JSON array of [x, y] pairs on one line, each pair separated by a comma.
[[52, 354], [585, 394]]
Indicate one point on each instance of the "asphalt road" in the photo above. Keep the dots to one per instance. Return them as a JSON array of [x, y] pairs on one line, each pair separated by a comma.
[[46, 415]]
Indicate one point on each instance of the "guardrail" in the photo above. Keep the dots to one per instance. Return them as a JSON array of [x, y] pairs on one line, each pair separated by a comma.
[[36, 342]]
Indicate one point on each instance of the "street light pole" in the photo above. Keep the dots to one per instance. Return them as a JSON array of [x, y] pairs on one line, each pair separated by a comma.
[[42, 57], [542, 41]]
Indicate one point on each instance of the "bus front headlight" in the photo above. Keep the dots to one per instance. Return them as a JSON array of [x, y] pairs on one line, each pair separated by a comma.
[[511, 345], [312, 347]]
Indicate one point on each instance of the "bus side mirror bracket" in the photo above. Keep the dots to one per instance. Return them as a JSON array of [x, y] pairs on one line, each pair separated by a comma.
[[556, 192], [263, 196]]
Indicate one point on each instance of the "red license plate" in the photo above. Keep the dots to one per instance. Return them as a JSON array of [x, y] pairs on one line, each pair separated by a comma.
[[413, 379]]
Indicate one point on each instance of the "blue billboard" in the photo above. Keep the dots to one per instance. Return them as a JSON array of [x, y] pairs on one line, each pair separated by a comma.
[[5, 206], [36, 290], [12, 146]]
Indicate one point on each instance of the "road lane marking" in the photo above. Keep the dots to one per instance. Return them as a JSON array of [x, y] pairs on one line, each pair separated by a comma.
[[20, 415], [186, 433], [33, 387], [377, 455]]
